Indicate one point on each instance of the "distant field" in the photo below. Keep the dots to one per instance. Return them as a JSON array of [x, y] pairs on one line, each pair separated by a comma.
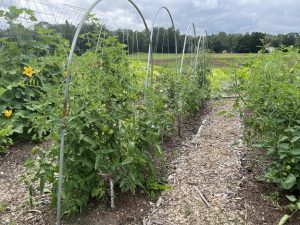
[[144, 56], [159, 58], [231, 55], [229, 59], [214, 59]]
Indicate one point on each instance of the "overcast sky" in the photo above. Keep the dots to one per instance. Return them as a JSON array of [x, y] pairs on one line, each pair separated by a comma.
[[231, 16]]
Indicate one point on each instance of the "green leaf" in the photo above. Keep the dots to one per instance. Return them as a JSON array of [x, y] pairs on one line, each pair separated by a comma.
[[298, 204], [85, 162], [283, 138], [107, 150], [284, 146], [258, 145], [159, 150], [296, 151], [290, 129], [29, 164], [271, 151], [284, 219], [88, 140], [95, 192], [280, 120], [18, 129], [128, 160], [291, 198], [43, 180], [289, 182], [296, 138], [8, 95]]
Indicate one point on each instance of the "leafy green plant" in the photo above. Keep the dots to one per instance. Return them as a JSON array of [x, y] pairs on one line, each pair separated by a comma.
[[268, 88], [5, 139], [294, 206], [27, 65], [110, 133], [219, 82], [107, 135]]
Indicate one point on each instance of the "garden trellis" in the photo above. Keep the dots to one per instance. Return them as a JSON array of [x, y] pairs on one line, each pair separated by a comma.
[[74, 20]]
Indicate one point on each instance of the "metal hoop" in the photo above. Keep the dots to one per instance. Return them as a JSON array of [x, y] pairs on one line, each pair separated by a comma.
[[202, 40], [185, 40], [150, 52]]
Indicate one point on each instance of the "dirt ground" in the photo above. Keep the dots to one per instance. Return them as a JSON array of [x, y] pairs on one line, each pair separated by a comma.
[[213, 176]]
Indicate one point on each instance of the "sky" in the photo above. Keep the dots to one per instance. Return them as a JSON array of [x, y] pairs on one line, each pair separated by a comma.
[[231, 16]]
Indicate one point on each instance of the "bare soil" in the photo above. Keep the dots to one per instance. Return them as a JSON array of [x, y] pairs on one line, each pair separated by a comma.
[[263, 200]]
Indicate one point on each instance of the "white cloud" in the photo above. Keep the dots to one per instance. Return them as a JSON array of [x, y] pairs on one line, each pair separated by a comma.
[[205, 4], [214, 15], [246, 2]]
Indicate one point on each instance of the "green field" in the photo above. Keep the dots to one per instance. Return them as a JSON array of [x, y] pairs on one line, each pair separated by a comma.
[[214, 59]]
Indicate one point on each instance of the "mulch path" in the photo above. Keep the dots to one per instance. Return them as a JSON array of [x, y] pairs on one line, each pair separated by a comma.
[[206, 176]]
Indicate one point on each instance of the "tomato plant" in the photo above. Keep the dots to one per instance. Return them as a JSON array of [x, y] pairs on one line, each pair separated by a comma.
[[269, 89], [111, 133]]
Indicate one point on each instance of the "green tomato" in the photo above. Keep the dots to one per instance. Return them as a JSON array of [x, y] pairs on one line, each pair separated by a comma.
[[104, 128], [110, 132], [284, 174], [288, 168], [293, 161], [131, 145], [141, 107]]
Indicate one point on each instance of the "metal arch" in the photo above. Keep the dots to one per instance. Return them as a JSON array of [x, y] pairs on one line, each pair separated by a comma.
[[204, 56], [66, 98], [200, 44], [185, 40], [202, 40], [150, 52]]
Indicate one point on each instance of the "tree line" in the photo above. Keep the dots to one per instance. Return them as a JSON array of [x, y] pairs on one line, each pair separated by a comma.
[[164, 39], [250, 42]]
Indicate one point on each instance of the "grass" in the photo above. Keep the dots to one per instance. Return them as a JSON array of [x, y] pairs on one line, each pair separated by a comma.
[[3, 206], [216, 60], [156, 56], [163, 59], [233, 60], [232, 55]]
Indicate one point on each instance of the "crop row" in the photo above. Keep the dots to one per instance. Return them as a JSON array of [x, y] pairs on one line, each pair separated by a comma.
[[112, 136]]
